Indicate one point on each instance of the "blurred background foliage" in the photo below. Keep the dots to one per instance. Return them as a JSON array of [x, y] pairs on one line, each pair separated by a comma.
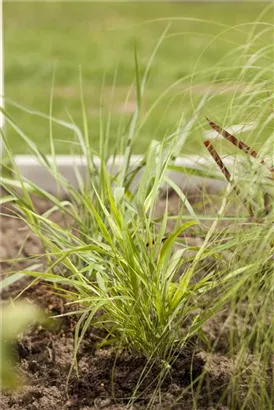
[[49, 43]]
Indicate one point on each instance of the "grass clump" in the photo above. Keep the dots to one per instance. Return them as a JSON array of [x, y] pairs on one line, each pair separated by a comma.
[[131, 273], [250, 295], [119, 260]]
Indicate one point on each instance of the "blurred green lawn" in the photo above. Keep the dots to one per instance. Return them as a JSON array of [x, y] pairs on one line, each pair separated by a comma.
[[49, 39]]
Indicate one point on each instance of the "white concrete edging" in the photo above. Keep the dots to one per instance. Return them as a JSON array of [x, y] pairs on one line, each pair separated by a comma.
[[30, 168]]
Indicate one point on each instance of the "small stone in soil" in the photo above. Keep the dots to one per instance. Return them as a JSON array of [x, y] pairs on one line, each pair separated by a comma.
[[102, 403], [3, 253], [32, 248]]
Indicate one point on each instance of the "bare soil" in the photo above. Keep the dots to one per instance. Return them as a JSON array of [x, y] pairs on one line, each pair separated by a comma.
[[106, 378]]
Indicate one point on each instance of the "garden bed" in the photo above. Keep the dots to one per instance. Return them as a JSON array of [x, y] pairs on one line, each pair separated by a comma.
[[106, 378]]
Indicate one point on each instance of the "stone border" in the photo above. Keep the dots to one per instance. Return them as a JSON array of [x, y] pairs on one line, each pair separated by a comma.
[[31, 169]]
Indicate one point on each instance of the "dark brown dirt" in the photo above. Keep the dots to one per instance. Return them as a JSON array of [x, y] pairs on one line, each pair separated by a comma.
[[45, 355], [106, 379]]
